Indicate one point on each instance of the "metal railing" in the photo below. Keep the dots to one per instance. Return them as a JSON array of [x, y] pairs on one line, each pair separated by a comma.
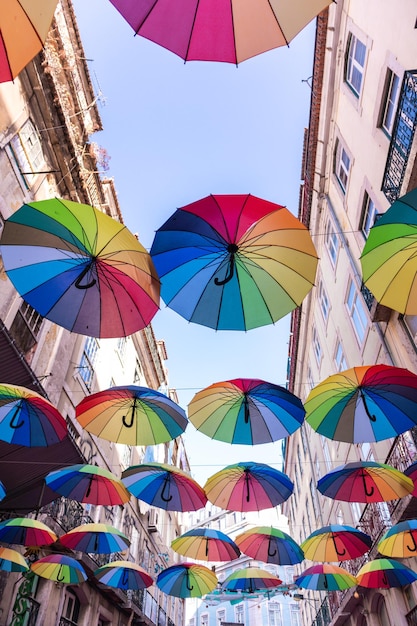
[[67, 513], [411, 617]]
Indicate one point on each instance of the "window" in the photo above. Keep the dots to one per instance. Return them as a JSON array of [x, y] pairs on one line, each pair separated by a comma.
[[341, 165], [138, 372], [295, 614], [369, 214], [390, 102], [310, 379], [317, 346], [326, 453], [121, 347], [25, 329], [300, 462], [324, 301], [339, 357], [204, 619], [239, 613], [332, 243], [314, 499], [26, 152], [71, 609], [221, 616], [357, 312], [355, 63], [274, 614], [88, 360]]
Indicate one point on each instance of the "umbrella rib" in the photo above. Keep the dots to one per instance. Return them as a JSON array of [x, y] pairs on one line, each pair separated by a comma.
[[191, 30]]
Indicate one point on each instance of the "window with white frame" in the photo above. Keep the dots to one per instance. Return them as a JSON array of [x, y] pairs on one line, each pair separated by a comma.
[[318, 351], [88, 361], [341, 165], [295, 614], [204, 619], [191, 622], [324, 301], [121, 347], [370, 214], [332, 243], [357, 311], [356, 511], [314, 499], [339, 357], [274, 614], [239, 613], [355, 63], [220, 616], [310, 378], [390, 99], [26, 151], [326, 453]]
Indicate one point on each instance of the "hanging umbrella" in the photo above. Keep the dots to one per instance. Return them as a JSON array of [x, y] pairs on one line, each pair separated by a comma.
[[246, 411], [60, 568], [12, 561], [135, 416], [164, 486], [384, 574], [186, 580], [225, 30], [80, 268], [364, 404], [28, 419], [365, 482], [270, 545], [248, 487], [326, 577], [95, 539], [2, 491], [389, 262], [89, 484], [336, 543], [400, 541], [411, 472], [23, 30], [234, 262], [250, 579], [26, 532], [123, 575], [206, 544]]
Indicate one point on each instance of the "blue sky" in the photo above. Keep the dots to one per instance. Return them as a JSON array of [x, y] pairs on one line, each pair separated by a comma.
[[177, 132]]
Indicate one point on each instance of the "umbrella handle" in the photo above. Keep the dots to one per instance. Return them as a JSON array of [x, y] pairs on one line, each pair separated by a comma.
[[81, 276], [340, 553], [14, 422], [413, 548], [325, 583], [247, 486], [384, 580], [246, 406], [132, 416], [269, 550], [60, 577], [232, 248], [371, 491], [125, 578], [189, 587], [163, 497], [365, 406]]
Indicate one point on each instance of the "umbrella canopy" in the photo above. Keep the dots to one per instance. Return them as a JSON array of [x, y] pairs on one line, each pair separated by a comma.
[[80, 268], [2, 491], [365, 482], [364, 404], [135, 416], [411, 472], [225, 30], [26, 532], [164, 486], [88, 483], [95, 539], [384, 574], [186, 580], [60, 568], [400, 541], [325, 577], [336, 543], [270, 545], [246, 411], [28, 419], [248, 487], [206, 544], [23, 30], [12, 561], [123, 575], [234, 262], [250, 579], [389, 263]]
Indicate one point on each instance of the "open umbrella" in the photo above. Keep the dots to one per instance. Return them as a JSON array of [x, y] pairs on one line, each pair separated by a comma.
[[12, 561], [206, 544], [187, 580], [400, 541], [364, 404], [246, 411], [389, 262], [336, 543], [234, 262], [270, 545], [164, 486], [25, 531], [250, 579], [384, 574], [28, 419], [411, 472], [123, 575], [95, 539], [326, 577], [224, 30], [23, 30], [88, 483], [60, 568], [2, 491], [132, 415], [365, 481], [80, 268], [248, 486]]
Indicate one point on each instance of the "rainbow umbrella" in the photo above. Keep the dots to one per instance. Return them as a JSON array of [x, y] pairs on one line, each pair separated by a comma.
[[186, 580], [400, 541], [250, 579], [60, 568], [364, 404], [80, 268], [336, 543], [411, 472], [123, 575], [225, 30], [26, 532], [12, 561], [270, 545], [234, 262], [28, 419], [164, 486], [135, 416], [365, 481], [95, 539], [2, 491], [246, 411], [88, 483], [206, 544], [326, 577], [384, 574], [248, 486]]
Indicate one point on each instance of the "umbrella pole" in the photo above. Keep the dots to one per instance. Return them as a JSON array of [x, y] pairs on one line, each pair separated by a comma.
[[246, 406], [132, 416], [247, 485], [40, 499], [365, 406], [232, 248]]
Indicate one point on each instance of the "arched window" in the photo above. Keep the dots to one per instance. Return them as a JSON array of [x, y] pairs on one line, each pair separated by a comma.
[[383, 616]]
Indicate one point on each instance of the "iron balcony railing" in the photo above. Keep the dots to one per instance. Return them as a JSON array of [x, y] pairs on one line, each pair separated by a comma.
[[67, 513], [411, 617]]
